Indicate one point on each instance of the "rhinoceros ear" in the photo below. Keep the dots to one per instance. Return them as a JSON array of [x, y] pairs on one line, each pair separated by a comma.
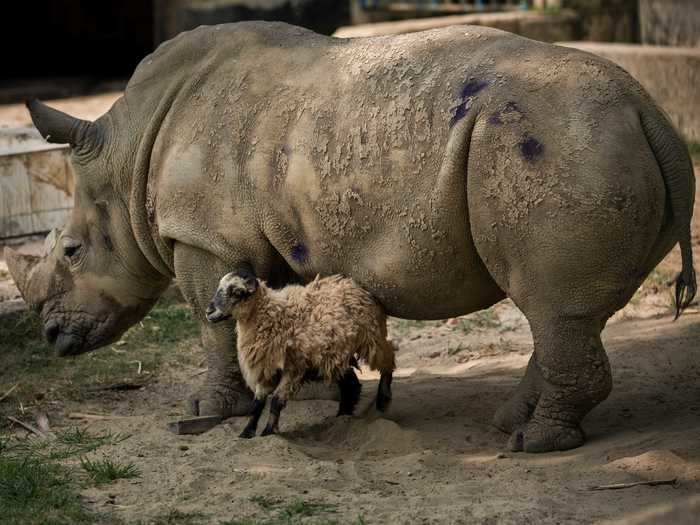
[[60, 128]]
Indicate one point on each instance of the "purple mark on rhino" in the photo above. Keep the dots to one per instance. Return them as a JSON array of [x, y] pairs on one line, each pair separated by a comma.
[[530, 148], [472, 88], [300, 253], [495, 119], [469, 90]]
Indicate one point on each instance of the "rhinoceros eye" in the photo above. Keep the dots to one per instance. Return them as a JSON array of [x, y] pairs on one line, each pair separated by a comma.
[[70, 248]]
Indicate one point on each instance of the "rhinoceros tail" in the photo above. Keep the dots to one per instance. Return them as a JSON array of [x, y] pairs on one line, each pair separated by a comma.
[[677, 169]]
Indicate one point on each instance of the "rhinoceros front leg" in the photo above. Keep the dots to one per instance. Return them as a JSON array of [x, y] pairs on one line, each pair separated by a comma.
[[224, 391]]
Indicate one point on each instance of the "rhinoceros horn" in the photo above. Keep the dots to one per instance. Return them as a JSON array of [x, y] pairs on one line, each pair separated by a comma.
[[60, 128], [23, 269]]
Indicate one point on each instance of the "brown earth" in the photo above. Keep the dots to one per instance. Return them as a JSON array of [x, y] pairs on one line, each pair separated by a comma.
[[435, 458]]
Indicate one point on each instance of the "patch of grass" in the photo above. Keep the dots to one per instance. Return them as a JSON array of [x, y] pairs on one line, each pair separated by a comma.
[[694, 149], [454, 350], [162, 326], [404, 326], [36, 488], [478, 320], [265, 502], [300, 509], [42, 377], [65, 444], [293, 513], [657, 282], [105, 470], [176, 517], [37, 492]]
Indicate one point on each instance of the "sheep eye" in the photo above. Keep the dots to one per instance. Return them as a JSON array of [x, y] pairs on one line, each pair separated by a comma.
[[233, 292]]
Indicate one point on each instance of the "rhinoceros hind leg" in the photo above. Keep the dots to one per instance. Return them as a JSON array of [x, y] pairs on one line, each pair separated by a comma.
[[571, 371], [515, 412]]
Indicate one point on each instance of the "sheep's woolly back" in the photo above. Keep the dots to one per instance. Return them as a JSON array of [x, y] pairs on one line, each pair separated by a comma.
[[322, 325]]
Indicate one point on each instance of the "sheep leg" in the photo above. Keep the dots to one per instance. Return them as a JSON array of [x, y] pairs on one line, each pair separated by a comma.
[[384, 391], [350, 388], [288, 386], [276, 405], [252, 426]]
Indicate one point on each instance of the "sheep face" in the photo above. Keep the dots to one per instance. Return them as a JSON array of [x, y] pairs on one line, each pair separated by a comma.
[[234, 289]]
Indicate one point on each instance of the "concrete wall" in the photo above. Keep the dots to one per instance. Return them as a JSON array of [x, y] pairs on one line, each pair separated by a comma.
[[174, 16], [607, 20], [670, 22], [535, 25], [36, 183], [671, 75]]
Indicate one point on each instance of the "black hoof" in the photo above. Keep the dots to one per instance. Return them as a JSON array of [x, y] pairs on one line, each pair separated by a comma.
[[383, 403], [247, 434], [267, 431], [350, 389], [384, 392]]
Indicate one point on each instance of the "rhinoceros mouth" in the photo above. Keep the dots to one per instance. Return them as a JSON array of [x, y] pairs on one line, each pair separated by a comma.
[[75, 333], [69, 344]]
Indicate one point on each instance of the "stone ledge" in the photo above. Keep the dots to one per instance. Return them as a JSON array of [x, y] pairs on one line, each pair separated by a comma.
[[671, 75], [530, 24]]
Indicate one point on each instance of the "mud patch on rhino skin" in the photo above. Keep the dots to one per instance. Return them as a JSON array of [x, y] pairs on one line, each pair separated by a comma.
[[300, 253], [467, 94], [530, 148], [509, 112]]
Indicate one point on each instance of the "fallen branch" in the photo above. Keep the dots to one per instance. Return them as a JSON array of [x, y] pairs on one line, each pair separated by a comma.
[[136, 385], [2, 397], [651, 483], [97, 417], [26, 426]]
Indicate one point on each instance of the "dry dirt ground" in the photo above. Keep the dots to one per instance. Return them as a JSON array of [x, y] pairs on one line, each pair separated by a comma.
[[434, 458]]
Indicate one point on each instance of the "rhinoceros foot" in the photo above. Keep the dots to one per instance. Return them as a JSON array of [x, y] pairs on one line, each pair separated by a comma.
[[513, 414], [221, 401], [516, 412], [546, 436]]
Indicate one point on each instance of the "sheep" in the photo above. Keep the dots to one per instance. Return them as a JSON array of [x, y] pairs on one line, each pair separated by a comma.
[[289, 335]]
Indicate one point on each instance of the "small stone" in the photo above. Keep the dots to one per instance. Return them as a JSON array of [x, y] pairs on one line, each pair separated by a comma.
[[501, 455], [184, 447]]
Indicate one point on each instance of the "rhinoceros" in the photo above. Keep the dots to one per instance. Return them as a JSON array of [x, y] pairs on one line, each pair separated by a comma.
[[443, 171]]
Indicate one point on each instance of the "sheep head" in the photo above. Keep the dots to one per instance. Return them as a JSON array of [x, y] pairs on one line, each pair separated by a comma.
[[234, 289]]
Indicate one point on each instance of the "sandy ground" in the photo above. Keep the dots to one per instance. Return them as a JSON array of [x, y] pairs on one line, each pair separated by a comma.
[[435, 458]]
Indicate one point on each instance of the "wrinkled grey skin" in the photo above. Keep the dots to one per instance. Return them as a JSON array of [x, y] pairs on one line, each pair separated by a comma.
[[443, 171]]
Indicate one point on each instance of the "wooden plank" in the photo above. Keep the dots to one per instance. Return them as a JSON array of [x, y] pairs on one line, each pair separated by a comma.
[[36, 184], [194, 425]]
